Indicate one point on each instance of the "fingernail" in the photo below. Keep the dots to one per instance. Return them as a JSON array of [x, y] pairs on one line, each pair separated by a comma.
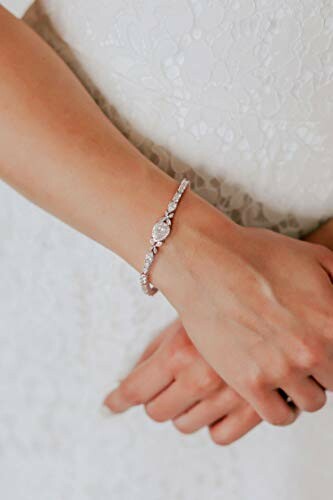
[[178, 420], [105, 411]]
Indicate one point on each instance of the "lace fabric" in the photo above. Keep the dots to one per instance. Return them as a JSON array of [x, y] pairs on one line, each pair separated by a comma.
[[240, 86]]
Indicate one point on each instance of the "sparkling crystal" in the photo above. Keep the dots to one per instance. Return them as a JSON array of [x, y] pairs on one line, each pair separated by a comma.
[[172, 206], [149, 257], [160, 231]]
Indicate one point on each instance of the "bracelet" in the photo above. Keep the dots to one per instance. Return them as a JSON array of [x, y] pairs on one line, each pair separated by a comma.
[[160, 232]]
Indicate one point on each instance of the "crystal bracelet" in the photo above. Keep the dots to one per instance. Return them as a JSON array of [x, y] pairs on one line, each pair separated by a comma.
[[160, 232]]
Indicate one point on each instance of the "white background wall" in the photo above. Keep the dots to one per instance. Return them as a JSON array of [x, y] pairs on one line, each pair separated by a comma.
[[17, 6]]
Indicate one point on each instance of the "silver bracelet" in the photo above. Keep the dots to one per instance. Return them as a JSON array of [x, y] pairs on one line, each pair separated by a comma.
[[160, 232]]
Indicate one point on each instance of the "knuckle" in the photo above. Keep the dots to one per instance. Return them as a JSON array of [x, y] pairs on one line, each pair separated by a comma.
[[231, 397], [208, 380], [257, 382], [182, 356], [309, 357], [284, 371], [288, 370]]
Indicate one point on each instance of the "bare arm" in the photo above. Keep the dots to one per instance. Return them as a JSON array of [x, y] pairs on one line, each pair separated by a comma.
[[59, 150], [231, 286]]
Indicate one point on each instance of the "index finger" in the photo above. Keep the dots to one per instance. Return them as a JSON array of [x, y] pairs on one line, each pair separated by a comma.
[[144, 382]]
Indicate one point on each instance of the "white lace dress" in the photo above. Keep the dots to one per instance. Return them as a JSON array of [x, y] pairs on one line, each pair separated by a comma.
[[237, 95]]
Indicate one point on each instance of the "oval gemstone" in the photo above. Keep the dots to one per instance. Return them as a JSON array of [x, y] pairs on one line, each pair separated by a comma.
[[160, 231]]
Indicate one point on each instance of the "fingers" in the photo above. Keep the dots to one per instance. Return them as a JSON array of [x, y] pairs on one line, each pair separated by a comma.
[[234, 425], [228, 416], [154, 370], [164, 359], [271, 407], [209, 410], [324, 378], [141, 385], [172, 329], [306, 394], [151, 348], [173, 380], [192, 384]]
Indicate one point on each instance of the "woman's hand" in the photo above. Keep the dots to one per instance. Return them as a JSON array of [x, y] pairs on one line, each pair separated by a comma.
[[174, 382], [259, 308]]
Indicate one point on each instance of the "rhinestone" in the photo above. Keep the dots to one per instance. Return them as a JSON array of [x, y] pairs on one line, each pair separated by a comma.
[[149, 257], [160, 231], [172, 206]]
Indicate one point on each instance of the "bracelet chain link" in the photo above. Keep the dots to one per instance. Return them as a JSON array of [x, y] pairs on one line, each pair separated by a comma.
[[160, 232]]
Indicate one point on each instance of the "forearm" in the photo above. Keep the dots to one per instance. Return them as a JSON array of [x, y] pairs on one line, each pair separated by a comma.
[[59, 150]]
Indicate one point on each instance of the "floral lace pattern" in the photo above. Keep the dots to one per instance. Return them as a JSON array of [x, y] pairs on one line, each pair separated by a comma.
[[240, 86], [237, 95]]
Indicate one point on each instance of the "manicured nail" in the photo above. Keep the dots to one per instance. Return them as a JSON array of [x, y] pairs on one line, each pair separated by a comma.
[[105, 411], [179, 420]]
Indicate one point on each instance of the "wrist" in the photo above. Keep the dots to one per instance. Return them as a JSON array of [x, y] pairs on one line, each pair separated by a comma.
[[200, 233]]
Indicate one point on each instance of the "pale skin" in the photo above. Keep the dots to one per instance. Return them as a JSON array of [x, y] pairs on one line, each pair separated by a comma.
[[173, 382], [257, 329]]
